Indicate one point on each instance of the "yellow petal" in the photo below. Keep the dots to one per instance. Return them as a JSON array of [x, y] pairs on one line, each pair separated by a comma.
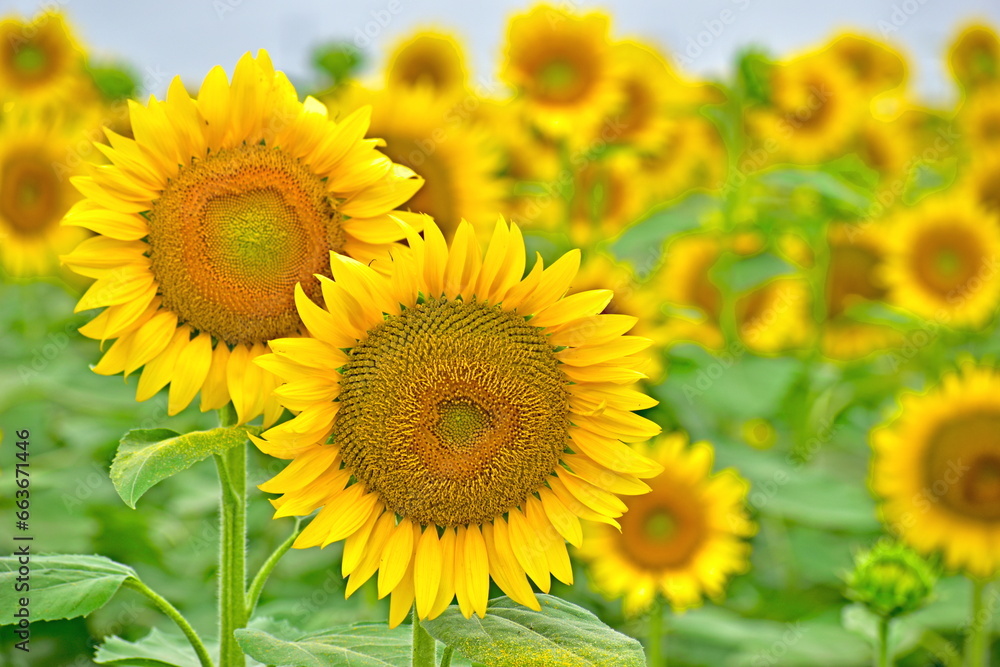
[[302, 470], [402, 597], [355, 545], [477, 570], [529, 552], [371, 558], [395, 558], [427, 570], [193, 364], [215, 391], [562, 518], [446, 586], [572, 307], [504, 567]]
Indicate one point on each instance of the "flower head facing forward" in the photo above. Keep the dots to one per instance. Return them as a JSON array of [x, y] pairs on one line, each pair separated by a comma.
[[209, 218], [457, 421]]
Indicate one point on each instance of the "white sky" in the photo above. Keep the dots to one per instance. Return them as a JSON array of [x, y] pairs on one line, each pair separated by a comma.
[[187, 37]]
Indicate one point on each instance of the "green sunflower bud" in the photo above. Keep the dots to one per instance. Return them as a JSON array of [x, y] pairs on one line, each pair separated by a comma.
[[891, 580]]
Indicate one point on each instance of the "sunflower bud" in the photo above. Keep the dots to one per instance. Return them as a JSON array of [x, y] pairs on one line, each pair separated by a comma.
[[891, 579]]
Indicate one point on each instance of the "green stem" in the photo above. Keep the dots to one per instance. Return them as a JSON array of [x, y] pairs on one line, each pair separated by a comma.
[[182, 623], [265, 570], [654, 638], [446, 656], [976, 644], [882, 659], [424, 646], [233, 612]]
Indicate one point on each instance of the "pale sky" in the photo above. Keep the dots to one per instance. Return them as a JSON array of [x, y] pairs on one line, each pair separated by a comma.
[[187, 37]]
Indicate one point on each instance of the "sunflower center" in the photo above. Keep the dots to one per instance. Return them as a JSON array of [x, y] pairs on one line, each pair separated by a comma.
[[946, 258], [452, 412], [32, 62], [663, 529], [563, 76], [851, 276], [29, 59], [232, 235], [30, 201], [963, 466]]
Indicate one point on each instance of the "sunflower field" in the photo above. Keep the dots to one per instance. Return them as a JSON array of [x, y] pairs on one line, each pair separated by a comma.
[[592, 362]]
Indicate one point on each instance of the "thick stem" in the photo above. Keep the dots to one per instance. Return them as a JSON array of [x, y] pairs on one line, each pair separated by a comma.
[[424, 646], [265, 570], [882, 657], [446, 656], [233, 613], [976, 644], [654, 636], [163, 605]]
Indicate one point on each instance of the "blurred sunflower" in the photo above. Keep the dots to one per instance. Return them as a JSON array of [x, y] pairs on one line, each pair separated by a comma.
[[873, 65], [210, 217], [648, 93], [816, 110], [684, 282], [983, 182], [561, 65], [608, 196], [692, 155], [853, 276], [35, 192], [451, 393], [942, 261], [683, 540], [40, 60], [430, 60], [980, 119], [974, 58], [457, 157], [888, 148], [937, 470], [776, 316]]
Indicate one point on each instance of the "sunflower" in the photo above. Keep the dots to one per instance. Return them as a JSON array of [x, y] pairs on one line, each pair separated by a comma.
[[816, 110], [856, 255], [936, 470], [35, 166], [692, 155], [888, 148], [428, 59], [873, 65], [942, 261], [437, 411], [683, 540], [457, 157], [609, 195], [974, 58], [685, 284], [40, 60], [983, 183], [561, 65], [776, 316], [980, 119], [209, 218]]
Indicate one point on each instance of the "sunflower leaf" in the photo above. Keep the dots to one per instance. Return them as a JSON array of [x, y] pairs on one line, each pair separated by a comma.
[[157, 649], [63, 586], [148, 456], [510, 634], [357, 644]]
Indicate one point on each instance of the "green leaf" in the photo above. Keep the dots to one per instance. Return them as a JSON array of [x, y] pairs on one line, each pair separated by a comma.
[[148, 456], [560, 634], [358, 645], [755, 271], [156, 649], [61, 586], [642, 243], [338, 61], [835, 190]]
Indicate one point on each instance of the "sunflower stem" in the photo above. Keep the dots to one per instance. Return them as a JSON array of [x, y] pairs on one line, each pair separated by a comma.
[[233, 611], [424, 646], [654, 637], [257, 585], [169, 610], [882, 650], [446, 656], [976, 644]]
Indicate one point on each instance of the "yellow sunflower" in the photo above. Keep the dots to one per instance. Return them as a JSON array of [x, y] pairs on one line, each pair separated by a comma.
[[816, 110], [209, 218], [857, 253], [776, 316], [980, 120], [458, 159], [692, 155], [40, 60], [983, 183], [942, 261], [437, 410], [609, 195], [431, 60], [888, 148], [683, 540], [937, 470], [684, 283], [873, 65], [974, 57], [561, 64], [36, 163]]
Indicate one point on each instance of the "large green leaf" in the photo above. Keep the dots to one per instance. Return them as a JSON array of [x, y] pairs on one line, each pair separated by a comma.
[[642, 243], [61, 586], [560, 634], [148, 456], [157, 649], [357, 645]]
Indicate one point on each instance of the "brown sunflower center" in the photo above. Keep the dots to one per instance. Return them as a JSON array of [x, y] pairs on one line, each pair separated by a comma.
[[563, 75], [988, 189], [946, 258], [232, 235], [35, 60], [851, 276], [452, 412], [30, 193], [437, 197], [963, 465], [663, 529]]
